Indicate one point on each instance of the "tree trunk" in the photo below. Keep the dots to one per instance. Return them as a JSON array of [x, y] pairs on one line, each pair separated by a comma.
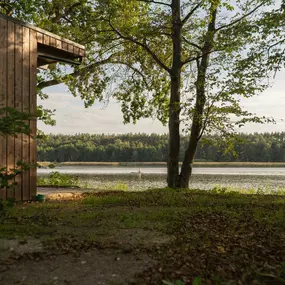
[[174, 134], [174, 107], [197, 123], [186, 169]]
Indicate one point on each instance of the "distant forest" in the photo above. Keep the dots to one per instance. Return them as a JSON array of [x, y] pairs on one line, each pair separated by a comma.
[[266, 147]]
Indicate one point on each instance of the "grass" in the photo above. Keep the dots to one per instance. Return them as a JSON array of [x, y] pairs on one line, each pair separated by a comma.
[[118, 186], [266, 190], [217, 235]]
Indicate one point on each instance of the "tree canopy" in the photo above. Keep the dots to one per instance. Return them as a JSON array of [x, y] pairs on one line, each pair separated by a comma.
[[257, 147], [187, 63]]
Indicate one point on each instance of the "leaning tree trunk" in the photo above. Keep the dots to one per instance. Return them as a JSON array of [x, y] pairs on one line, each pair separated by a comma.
[[186, 169], [174, 107], [197, 123]]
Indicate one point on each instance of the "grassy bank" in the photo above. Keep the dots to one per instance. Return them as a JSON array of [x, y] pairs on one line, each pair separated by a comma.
[[197, 164], [220, 238]]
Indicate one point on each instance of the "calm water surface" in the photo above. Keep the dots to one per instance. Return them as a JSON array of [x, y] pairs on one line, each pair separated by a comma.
[[154, 177], [162, 170]]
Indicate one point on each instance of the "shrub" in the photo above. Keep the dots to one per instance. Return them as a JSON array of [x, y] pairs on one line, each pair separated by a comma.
[[57, 179]]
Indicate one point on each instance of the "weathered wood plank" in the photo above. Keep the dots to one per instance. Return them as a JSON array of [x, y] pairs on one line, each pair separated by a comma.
[[58, 44], [52, 42], [70, 48], [46, 40], [76, 50], [26, 108], [33, 108], [81, 52], [40, 37], [18, 101], [11, 100], [3, 94], [64, 46]]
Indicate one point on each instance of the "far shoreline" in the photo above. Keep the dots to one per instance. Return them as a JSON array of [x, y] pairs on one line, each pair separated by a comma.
[[45, 164]]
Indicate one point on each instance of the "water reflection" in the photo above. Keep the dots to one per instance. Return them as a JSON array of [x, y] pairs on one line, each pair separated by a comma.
[[155, 177], [162, 170]]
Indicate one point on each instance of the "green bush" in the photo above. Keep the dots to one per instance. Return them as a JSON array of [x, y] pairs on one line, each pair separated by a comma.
[[57, 179], [7, 175]]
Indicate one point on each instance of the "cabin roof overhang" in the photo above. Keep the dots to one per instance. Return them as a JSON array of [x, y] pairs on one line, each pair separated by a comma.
[[51, 47]]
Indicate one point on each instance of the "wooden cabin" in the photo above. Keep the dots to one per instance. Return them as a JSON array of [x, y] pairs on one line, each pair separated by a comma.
[[23, 49]]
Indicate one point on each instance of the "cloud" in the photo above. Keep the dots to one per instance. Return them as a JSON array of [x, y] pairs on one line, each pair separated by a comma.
[[72, 117]]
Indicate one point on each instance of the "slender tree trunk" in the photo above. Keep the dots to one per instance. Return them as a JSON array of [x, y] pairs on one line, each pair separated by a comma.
[[197, 123], [174, 107]]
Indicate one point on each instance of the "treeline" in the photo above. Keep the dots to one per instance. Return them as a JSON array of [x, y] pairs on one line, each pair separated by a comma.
[[266, 147]]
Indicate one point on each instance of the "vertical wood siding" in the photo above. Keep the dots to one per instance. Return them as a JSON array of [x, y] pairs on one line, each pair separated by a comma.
[[33, 108], [18, 101], [26, 108], [11, 99], [3, 96], [18, 71]]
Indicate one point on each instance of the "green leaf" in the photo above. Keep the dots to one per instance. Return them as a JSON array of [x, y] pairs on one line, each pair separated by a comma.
[[197, 281]]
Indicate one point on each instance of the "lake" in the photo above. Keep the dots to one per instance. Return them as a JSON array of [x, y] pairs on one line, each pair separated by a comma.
[[264, 178]]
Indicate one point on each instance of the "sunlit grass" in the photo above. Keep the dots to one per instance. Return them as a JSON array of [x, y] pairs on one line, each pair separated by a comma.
[[161, 209], [266, 190]]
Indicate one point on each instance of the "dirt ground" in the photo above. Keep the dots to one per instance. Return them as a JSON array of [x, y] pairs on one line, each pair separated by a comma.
[[95, 266], [31, 262]]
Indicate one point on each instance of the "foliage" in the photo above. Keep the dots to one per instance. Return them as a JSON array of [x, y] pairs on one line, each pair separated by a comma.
[[179, 61], [5, 206], [7, 175], [46, 115], [264, 147], [13, 122], [57, 179], [23, 9], [198, 281], [177, 282]]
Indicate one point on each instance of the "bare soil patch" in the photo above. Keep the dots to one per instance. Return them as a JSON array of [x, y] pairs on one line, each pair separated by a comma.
[[105, 266]]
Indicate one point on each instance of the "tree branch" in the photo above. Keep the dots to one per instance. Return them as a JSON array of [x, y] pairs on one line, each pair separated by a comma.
[[190, 59], [58, 16], [155, 2], [239, 19], [187, 17], [52, 82], [192, 44], [215, 99], [143, 45], [132, 68]]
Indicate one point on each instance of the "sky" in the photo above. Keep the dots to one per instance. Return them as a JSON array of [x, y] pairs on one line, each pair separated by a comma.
[[72, 117]]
